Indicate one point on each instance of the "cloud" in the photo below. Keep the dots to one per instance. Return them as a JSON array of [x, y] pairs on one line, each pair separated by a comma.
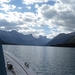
[[28, 7], [23, 22], [59, 17], [67, 1], [19, 8], [29, 2], [36, 6], [17, 18], [28, 30], [47, 11], [2, 27], [7, 7], [65, 15], [9, 21], [4, 1]]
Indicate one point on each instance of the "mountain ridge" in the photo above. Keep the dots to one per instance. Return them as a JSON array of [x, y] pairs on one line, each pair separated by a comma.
[[15, 37], [63, 40]]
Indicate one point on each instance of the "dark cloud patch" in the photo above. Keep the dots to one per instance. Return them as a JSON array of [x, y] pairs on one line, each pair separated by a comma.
[[7, 25], [4, 22], [28, 20], [49, 14], [59, 15]]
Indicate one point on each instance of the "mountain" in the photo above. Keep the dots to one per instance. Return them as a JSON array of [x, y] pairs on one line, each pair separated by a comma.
[[71, 40], [69, 43], [61, 39], [43, 40], [14, 37]]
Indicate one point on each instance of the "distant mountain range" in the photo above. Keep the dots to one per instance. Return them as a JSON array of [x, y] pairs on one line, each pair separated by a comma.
[[63, 40], [16, 38], [13, 37]]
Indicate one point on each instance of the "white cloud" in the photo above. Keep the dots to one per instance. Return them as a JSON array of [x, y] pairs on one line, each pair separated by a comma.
[[19, 8], [67, 1], [2, 27], [28, 2], [17, 18], [59, 17], [23, 22], [6, 7], [52, 35], [28, 30], [36, 6], [28, 7], [12, 7], [47, 11], [4, 1]]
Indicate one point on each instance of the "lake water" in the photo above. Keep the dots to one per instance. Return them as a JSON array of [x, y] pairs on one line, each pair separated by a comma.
[[46, 60]]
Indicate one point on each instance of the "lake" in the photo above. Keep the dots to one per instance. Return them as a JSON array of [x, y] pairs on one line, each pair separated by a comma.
[[46, 60]]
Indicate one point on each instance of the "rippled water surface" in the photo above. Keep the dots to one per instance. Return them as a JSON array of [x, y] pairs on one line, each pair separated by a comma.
[[46, 60]]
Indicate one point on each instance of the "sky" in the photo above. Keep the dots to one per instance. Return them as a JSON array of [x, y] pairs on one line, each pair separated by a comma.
[[38, 17]]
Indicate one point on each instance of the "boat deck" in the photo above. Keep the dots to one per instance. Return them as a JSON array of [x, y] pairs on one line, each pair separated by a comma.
[[18, 66]]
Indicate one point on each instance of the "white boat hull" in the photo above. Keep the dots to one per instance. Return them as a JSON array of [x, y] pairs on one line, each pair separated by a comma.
[[18, 66]]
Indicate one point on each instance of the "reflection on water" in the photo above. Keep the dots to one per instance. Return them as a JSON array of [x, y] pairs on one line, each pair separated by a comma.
[[46, 60]]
